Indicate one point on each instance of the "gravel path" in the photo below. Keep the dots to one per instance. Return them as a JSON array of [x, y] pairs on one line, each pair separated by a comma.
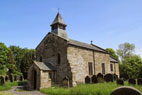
[[16, 90]]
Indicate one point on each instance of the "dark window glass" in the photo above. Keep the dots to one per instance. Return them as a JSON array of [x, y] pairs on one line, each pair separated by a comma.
[[62, 27], [59, 58], [103, 68], [50, 75], [94, 68], [111, 67], [90, 68], [40, 59]]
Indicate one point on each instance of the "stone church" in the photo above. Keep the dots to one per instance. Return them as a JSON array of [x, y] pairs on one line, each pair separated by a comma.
[[60, 58]]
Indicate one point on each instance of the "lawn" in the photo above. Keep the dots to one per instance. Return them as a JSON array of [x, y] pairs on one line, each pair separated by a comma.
[[8, 85], [5, 94], [86, 89]]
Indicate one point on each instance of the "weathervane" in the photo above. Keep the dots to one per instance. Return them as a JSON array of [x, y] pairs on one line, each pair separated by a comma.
[[58, 10], [91, 42]]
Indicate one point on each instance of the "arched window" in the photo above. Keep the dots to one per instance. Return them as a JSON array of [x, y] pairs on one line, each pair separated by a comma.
[[59, 58], [40, 59]]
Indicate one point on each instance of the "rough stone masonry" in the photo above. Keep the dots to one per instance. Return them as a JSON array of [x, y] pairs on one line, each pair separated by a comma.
[[59, 57]]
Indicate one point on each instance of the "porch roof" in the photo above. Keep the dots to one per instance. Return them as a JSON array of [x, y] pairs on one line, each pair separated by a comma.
[[113, 60], [45, 66]]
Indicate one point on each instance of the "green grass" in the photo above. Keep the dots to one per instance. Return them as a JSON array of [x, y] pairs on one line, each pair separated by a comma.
[[86, 89], [5, 94], [8, 85], [139, 87]]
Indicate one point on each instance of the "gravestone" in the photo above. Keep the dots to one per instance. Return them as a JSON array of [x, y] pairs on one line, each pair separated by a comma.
[[87, 79], [18, 78], [139, 81], [100, 78], [66, 82], [21, 78], [132, 81], [124, 76], [94, 79], [11, 78], [2, 80], [120, 82], [126, 90], [99, 75], [6, 78], [15, 78], [115, 77], [108, 78]]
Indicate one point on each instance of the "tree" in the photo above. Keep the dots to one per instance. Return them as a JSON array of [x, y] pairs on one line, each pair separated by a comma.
[[14, 60], [10, 58], [11, 62], [3, 53], [125, 50], [3, 57], [112, 53], [18, 55], [27, 61], [140, 71], [132, 66], [3, 69]]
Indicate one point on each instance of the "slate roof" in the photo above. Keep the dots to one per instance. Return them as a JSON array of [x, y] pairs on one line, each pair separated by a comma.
[[58, 19], [45, 66], [113, 60], [85, 45]]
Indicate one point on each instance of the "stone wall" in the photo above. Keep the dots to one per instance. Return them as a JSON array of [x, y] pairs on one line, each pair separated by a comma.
[[99, 59], [117, 69], [49, 49], [31, 77], [45, 81], [74, 60], [79, 58]]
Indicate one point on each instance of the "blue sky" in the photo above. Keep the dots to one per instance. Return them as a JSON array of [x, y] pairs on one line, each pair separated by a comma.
[[107, 22]]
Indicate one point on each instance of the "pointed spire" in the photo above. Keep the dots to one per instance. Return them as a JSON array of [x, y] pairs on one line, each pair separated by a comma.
[[59, 27], [58, 19]]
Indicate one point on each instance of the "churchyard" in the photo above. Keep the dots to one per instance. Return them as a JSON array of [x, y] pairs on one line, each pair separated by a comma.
[[95, 85], [130, 75], [7, 82], [87, 89], [99, 85]]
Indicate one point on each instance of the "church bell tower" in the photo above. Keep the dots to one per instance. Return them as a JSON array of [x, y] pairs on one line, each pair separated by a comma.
[[59, 27]]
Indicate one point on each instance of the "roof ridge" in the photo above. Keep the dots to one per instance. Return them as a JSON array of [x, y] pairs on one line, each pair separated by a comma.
[[99, 47], [85, 45], [46, 36], [113, 57], [80, 41]]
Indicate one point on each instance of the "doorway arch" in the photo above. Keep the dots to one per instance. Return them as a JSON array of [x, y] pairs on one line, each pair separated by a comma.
[[34, 79]]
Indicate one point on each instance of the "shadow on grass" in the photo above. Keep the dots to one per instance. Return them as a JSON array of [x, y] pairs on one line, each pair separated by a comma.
[[22, 83], [22, 86]]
